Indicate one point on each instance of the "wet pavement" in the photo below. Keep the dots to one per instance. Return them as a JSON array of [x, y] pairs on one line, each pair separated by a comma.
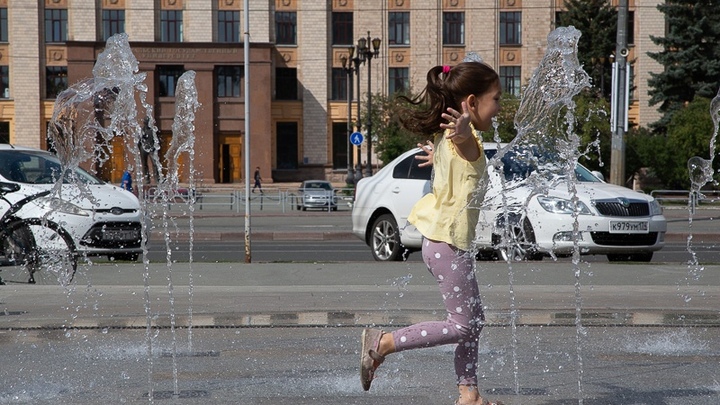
[[272, 333], [288, 333]]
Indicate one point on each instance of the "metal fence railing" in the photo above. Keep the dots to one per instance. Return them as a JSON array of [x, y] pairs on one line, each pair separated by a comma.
[[693, 199]]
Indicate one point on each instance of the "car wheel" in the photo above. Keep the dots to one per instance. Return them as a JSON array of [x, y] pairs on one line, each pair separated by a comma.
[[521, 244], [630, 257], [385, 239]]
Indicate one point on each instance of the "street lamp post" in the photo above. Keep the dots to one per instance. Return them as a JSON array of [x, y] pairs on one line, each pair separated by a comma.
[[350, 65], [358, 162], [367, 54]]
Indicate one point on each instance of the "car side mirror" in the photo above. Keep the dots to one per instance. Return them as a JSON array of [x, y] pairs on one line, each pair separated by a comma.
[[9, 187], [598, 175]]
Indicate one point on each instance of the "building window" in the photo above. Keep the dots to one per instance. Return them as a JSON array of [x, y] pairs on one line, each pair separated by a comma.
[[55, 80], [167, 79], [339, 145], [113, 23], [398, 80], [3, 25], [399, 28], [342, 28], [511, 28], [229, 79], [286, 154], [339, 84], [56, 25], [286, 28], [453, 28], [286, 84], [171, 22], [228, 26], [510, 80], [631, 28], [4, 82], [4, 132]]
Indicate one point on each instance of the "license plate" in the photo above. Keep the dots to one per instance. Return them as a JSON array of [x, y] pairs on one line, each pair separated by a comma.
[[120, 234], [628, 227]]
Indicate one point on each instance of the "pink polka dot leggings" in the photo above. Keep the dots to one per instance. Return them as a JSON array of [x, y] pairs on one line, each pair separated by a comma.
[[453, 270]]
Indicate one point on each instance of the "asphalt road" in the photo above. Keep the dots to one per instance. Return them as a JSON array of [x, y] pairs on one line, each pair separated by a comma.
[[282, 234], [356, 251]]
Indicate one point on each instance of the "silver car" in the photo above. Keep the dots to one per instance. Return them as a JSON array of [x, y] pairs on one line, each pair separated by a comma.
[[316, 194]]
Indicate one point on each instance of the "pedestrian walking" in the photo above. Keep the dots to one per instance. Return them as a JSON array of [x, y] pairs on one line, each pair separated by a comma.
[[126, 181], [148, 148], [456, 105], [258, 179]]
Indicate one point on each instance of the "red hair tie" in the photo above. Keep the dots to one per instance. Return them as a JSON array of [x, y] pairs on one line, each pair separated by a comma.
[[446, 69]]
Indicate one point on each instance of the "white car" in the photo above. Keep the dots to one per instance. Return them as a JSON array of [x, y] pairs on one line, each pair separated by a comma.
[[615, 221], [102, 219]]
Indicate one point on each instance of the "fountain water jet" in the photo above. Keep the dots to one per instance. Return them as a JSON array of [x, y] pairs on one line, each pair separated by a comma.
[[547, 99], [79, 134]]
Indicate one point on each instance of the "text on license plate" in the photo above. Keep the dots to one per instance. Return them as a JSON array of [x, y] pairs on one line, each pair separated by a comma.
[[628, 227], [120, 234]]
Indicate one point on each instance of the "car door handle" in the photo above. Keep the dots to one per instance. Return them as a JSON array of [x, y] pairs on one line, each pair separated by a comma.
[[396, 190]]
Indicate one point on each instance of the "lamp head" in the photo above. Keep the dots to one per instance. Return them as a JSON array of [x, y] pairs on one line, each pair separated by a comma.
[[362, 45], [376, 44]]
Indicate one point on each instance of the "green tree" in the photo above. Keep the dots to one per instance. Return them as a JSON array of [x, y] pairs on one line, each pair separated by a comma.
[[642, 150], [392, 139], [597, 21], [592, 125], [688, 135], [506, 119], [689, 55]]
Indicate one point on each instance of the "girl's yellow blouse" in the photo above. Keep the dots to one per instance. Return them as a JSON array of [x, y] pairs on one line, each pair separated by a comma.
[[450, 212]]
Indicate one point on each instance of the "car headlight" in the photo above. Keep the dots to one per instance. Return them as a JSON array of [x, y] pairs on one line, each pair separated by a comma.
[[59, 205], [655, 208], [557, 205]]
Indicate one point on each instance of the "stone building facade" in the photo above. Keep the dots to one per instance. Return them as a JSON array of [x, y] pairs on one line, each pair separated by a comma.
[[298, 90]]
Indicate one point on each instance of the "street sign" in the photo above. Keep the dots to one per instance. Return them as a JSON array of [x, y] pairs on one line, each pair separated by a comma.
[[356, 138]]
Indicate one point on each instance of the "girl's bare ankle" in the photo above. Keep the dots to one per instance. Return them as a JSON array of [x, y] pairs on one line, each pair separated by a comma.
[[387, 344]]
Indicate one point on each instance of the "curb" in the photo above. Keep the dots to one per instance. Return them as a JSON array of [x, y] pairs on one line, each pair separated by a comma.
[[530, 318]]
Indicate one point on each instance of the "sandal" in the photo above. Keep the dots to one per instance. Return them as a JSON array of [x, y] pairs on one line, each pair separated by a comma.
[[370, 359]]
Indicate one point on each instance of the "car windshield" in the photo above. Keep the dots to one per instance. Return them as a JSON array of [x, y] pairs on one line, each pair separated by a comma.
[[317, 186], [37, 168], [519, 163]]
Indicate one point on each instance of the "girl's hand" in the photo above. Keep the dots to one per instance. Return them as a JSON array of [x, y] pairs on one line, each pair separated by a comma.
[[460, 132], [428, 147], [458, 124]]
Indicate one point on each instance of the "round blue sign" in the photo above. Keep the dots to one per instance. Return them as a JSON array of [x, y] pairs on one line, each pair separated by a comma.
[[356, 138]]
